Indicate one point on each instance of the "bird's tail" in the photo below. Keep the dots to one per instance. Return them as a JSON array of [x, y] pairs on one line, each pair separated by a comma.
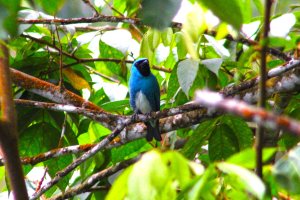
[[153, 130]]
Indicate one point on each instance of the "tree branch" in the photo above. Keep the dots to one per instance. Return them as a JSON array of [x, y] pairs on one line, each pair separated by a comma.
[[259, 115], [93, 179], [262, 98], [8, 129]]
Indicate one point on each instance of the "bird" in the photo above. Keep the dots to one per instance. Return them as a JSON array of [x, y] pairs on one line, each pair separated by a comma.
[[144, 95]]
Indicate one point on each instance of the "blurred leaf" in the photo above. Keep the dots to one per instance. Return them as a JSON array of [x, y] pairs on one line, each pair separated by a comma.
[[181, 46], [52, 6], [159, 14], [186, 73], [150, 177], [259, 6], [8, 18], [204, 186], [146, 50], [178, 167], [219, 49], [228, 11], [192, 29], [246, 158], [113, 39], [115, 106], [75, 80], [247, 179], [213, 64], [153, 38], [166, 36], [119, 189], [287, 171]]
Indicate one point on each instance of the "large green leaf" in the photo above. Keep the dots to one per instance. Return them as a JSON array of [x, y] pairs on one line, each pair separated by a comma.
[[186, 73], [159, 14], [150, 178], [228, 11], [36, 139], [243, 179], [213, 64], [198, 138], [287, 171], [240, 129], [222, 143]]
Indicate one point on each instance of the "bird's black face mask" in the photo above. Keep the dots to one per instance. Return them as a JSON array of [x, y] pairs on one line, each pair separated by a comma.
[[143, 67]]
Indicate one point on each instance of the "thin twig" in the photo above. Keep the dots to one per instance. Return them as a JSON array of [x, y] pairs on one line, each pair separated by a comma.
[[262, 86], [88, 3], [61, 84]]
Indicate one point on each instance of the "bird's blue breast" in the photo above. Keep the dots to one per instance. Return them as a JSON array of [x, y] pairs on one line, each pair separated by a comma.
[[148, 86]]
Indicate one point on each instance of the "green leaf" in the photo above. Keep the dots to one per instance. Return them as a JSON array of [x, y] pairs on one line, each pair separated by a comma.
[[213, 64], [240, 129], [35, 139], [166, 36], [245, 178], [57, 164], [228, 11], [192, 29], [186, 73], [204, 186], [246, 158], [259, 6], [287, 171], [51, 6], [149, 179], [178, 167], [8, 18], [153, 38], [181, 46], [159, 14], [119, 189], [173, 84], [222, 143], [115, 106], [146, 50], [198, 138], [129, 150]]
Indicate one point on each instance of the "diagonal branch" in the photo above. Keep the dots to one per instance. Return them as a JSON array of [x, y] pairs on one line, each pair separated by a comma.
[[92, 180], [101, 145]]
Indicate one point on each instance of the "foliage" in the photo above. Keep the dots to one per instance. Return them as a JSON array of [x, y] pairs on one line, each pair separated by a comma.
[[217, 160]]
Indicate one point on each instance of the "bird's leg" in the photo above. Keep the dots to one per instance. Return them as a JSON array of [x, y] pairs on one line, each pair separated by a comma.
[[134, 115]]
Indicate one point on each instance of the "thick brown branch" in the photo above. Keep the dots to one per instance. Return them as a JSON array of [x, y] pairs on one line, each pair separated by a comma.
[[8, 129]]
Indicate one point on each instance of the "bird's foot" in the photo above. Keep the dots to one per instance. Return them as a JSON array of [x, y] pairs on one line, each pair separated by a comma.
[[134, 116]]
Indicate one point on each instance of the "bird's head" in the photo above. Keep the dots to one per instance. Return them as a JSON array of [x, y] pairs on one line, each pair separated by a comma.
[[142, 65]]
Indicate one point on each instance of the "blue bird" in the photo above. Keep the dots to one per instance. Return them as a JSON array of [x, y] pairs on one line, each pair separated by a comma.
[[145, 94]]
